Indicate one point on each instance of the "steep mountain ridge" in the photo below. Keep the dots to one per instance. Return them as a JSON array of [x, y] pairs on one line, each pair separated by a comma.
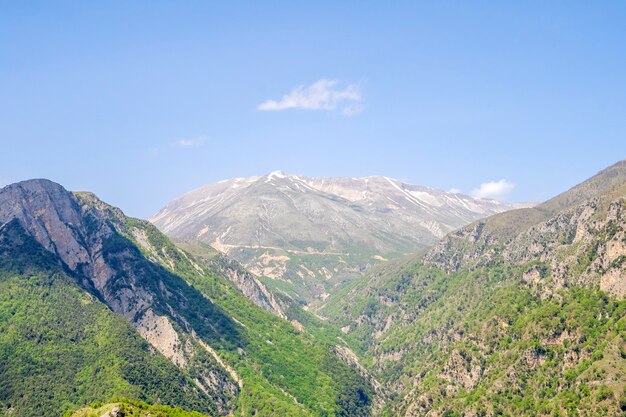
[[84, 234], [315, 234], [522, 313], [245, 281], [488, 237], [238, 357], [60, 347]]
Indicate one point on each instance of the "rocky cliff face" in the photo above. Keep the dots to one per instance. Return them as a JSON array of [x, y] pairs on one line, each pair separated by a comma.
[[245, 281], [314, 234], [578, 235], [236, 356], [89, 238], [583, 246], [51, 214], [248, 284]]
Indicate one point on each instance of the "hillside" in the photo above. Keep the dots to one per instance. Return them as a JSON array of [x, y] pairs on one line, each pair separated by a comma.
[[61, 347], [102, 306], [522, 313], [311, 236], [129, 408], [486, 238], [519, 314]]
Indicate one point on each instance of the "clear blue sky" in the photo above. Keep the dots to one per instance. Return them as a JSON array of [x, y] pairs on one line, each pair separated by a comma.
[[142, 101]]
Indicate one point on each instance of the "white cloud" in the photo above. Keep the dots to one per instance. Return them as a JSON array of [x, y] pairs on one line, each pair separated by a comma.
[[189, 143], [321, 95], [454, 191], [4, 181], [496, 190]]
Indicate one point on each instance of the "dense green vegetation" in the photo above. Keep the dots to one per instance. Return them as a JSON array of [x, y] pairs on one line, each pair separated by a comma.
[[505, 316], [504, 349], [485, 342], [65, 348], [272, 356], [132, 408], [320, 329], [68, 349]]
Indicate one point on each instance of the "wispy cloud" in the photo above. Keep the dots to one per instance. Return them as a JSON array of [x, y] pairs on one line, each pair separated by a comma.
[[321, 95], [189, 143], [4, 181], [184, 143], [496, 190], [352, 110]]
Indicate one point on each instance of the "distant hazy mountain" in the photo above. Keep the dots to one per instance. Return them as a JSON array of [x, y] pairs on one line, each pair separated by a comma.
[[314, 233]]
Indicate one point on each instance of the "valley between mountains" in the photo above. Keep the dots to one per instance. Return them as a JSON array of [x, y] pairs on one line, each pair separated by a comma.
[[282, 295]]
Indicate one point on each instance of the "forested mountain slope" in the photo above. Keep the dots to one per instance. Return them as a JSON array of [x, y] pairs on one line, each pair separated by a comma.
[[118, 310], [522, 313]]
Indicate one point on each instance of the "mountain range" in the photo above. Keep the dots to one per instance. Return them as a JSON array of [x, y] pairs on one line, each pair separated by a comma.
[[519, 313], [314, 235]]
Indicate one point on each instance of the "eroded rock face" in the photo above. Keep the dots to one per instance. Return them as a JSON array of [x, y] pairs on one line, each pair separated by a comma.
[[115, 412], [50, 213], [59, 221], [91, 239], [77, 233], [579, 235], [160, 333], [248, 284], [462, 369], [583, 245]]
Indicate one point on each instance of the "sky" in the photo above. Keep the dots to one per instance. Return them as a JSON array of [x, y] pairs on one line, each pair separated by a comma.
[[140, 102]]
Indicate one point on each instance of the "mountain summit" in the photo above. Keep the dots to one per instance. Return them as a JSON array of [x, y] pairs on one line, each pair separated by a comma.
[[314, 233]]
